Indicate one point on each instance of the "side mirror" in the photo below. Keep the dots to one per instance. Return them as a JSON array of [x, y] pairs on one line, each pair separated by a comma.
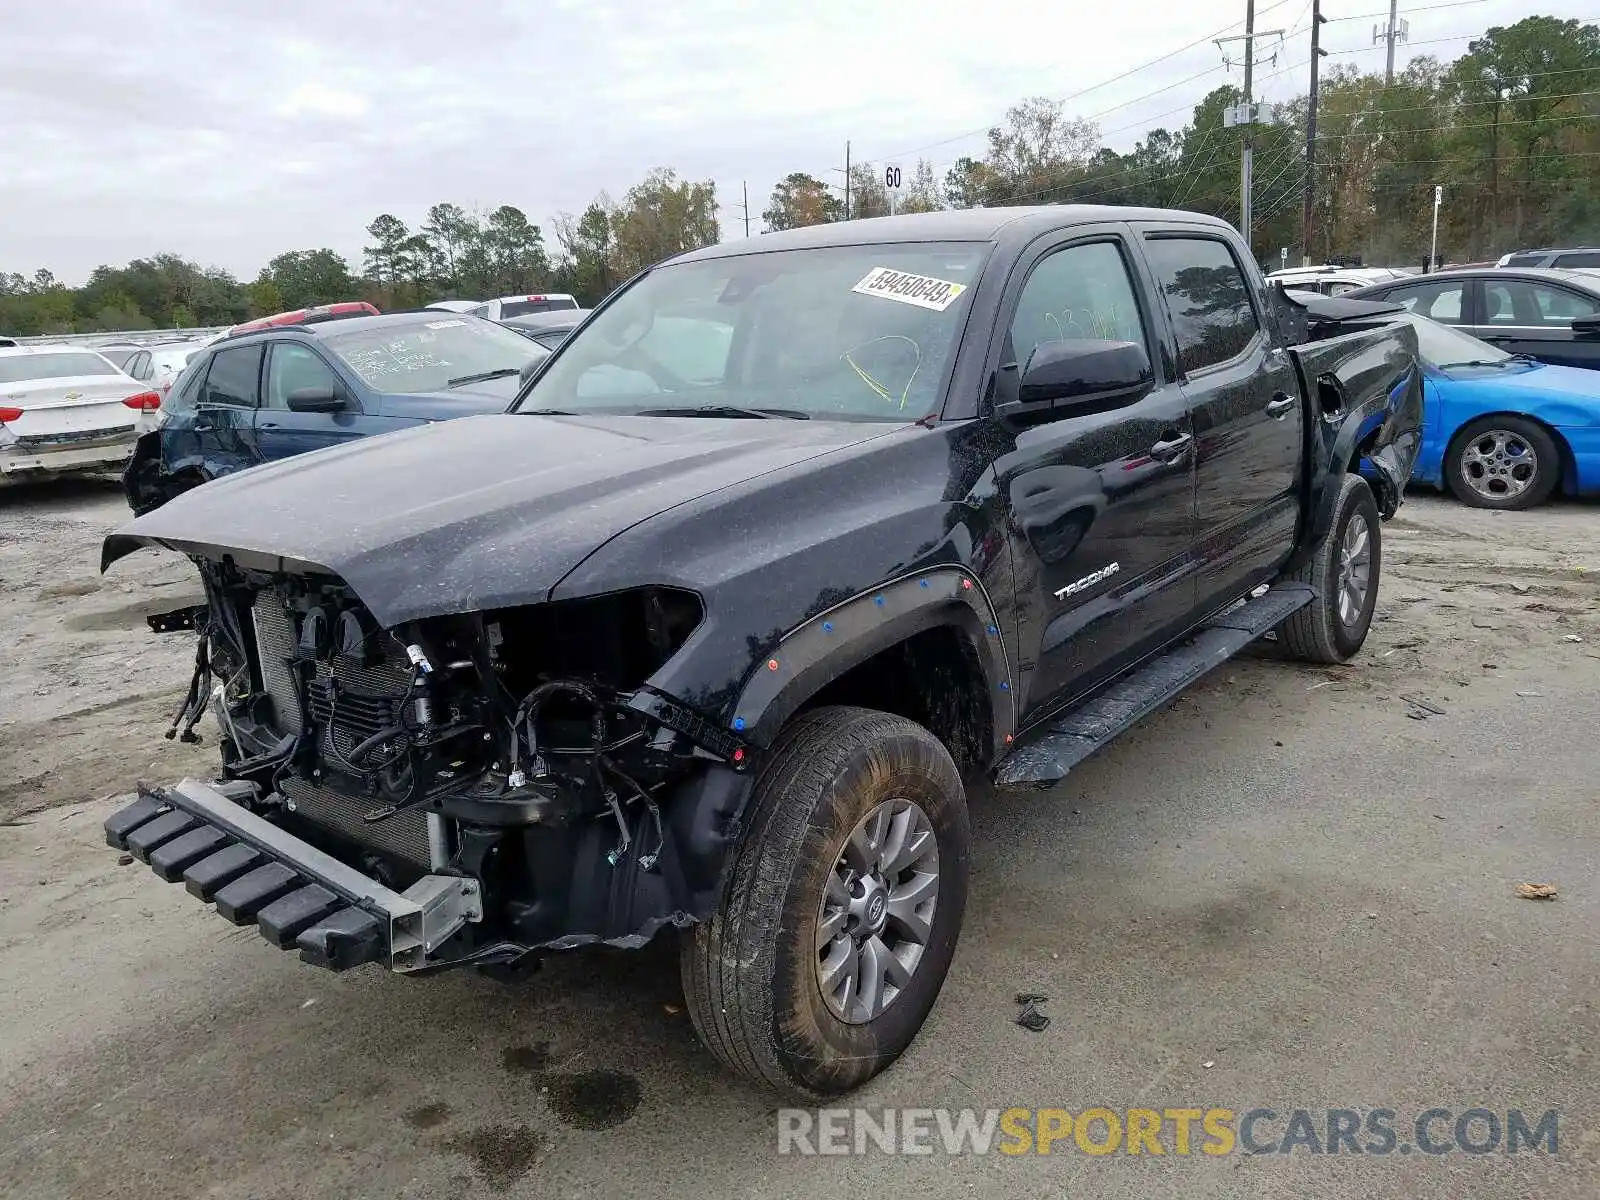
[[1587, 327], [532, 365], [1080, 376], [321, 399]]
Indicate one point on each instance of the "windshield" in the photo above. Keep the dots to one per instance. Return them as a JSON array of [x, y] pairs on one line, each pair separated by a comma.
[[840, 332], [1441, 346], [24, 368], [430, 355]]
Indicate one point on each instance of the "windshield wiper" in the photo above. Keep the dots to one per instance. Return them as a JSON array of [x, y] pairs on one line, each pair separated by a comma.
[[1477, 362], [546, 412], [725, 410], [502, 373]]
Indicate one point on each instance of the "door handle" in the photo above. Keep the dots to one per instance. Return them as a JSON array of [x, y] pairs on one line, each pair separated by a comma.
[[198, 428], [269, 425], [1280, 406], [1171, 449]]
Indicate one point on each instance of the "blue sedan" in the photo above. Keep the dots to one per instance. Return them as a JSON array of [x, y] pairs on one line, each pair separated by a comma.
[[272, 393], [1502, 430]]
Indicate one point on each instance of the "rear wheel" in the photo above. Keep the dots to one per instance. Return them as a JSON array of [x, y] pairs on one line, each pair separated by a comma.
[[1343, 569], [840, 909], [1503, 462]]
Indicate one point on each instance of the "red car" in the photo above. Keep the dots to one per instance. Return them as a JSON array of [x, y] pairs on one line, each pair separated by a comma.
[[305, 316]]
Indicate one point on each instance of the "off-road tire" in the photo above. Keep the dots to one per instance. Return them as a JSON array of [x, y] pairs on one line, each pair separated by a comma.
[[1316, 633], [1546, 460], [749, 973]]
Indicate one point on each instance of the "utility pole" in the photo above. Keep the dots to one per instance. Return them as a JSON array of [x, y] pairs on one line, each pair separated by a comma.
[[1309, 200], [1246, 159], [1388, 65], [847, 181], [1395, 31], [1245, 114], [846, 185], [744, 206]]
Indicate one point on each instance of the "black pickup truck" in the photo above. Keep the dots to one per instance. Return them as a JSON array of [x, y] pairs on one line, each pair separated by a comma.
[[790, 539]]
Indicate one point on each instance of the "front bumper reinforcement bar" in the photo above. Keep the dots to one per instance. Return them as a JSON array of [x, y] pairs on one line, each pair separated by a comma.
[[255, 872]]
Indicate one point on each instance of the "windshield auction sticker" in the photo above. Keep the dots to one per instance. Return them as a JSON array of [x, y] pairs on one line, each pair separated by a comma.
[[922, 290]]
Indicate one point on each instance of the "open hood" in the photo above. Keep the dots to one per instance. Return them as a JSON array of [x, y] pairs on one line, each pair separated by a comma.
[[475, 513]]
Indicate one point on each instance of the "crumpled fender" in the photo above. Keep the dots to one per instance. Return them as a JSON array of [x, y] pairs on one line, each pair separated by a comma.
[[1365, 390]]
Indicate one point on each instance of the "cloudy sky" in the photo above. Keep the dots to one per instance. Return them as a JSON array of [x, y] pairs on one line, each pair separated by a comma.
[[228, 131]]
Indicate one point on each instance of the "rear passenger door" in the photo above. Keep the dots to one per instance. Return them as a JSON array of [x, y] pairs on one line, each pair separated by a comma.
[[1099, 503], [1523, 316], [1244, 399], [220, 435]]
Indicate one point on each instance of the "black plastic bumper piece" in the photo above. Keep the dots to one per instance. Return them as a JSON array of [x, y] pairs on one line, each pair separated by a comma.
[[344, 939], [254, 872], [282, 921], [247, 895]]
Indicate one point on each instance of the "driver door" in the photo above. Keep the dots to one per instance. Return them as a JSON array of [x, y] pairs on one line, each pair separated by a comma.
[[1100, 505]]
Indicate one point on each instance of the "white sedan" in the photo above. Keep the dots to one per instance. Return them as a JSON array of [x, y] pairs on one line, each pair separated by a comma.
[[65, 410]]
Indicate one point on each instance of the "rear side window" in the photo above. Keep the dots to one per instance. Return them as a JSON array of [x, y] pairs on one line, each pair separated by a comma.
[[1524, 260], [186, 387], [521, 308], [1518, 303], [235, 377], [119, 358], [1208, 299], [69, 364]]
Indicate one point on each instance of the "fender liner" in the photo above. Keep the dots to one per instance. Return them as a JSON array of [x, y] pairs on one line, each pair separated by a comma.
[[824, 647]]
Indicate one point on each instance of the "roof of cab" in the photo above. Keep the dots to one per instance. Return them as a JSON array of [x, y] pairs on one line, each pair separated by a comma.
[[952, 225]]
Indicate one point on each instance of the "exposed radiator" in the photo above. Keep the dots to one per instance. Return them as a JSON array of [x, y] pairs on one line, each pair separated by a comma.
[[275, 638], [360, 700], [404, 835]]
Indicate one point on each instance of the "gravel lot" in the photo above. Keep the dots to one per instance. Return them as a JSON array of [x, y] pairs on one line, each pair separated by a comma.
[[1282, 892]]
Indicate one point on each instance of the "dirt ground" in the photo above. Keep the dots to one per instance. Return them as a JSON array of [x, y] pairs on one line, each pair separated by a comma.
[[1294, 888]]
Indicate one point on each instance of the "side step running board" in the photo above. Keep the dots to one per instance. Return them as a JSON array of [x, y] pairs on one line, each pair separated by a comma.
[[1072, 737]]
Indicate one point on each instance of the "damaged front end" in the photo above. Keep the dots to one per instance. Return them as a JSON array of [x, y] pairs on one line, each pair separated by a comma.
[[488, 785]]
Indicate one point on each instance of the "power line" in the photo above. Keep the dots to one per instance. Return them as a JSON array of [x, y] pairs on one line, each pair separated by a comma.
[[1094, 87], [1410, 8], [1339, 137]]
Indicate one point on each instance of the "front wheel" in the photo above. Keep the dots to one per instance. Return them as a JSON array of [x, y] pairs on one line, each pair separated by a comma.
[[1503, 462], [840, 909], [1343, 569]]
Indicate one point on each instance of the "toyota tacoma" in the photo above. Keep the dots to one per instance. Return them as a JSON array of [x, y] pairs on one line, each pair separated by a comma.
[[792, 540]]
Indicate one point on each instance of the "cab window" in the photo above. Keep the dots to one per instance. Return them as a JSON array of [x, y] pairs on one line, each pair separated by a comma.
[[1080, 292]]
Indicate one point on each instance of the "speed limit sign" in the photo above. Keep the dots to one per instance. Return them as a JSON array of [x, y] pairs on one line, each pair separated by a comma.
[[891, 177]]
